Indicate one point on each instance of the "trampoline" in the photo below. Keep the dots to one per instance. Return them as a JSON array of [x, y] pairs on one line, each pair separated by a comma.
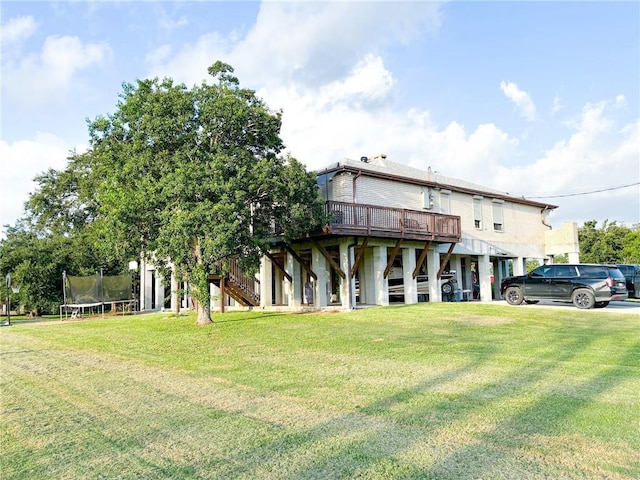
[[90, 294]]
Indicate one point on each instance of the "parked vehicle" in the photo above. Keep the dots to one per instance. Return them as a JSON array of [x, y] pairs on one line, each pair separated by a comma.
[[632, 275], [584, 285]]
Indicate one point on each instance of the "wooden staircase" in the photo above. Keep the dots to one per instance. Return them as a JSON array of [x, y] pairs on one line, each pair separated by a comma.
[[243, 289]]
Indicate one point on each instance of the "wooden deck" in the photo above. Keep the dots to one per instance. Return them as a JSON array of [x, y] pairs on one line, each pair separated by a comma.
[[386, 222]]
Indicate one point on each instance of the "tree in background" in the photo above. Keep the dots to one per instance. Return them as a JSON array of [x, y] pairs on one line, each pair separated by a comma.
[[36, 262], [631, 250], [194, 178], [612, 243], [57, 234]]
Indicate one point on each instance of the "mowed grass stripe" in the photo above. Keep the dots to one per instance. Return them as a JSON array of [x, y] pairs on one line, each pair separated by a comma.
[[384, 393]]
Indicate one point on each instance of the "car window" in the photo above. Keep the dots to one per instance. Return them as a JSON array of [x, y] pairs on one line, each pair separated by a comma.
[[542, 272], [616, 273], [595, 271], [564, 271]]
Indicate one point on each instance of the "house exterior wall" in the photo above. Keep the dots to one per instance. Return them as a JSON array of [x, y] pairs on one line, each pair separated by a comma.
[[523, 231], [386, 193]]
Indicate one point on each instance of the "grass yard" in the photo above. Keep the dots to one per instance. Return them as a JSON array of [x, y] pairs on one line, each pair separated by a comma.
[[442, 391]]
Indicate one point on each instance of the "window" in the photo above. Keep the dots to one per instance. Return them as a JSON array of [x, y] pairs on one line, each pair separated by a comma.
[[498, 218], [445, 201], [427, 199], [564, 271], [477, 212], [543, 271]]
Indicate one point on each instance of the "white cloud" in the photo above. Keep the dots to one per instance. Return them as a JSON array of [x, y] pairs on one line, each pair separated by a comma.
[[325, 125], [17, 29], [557, 105], [302, 43], [599, 154], [520, 98], [21, 162], [46, 77], [165, 20]]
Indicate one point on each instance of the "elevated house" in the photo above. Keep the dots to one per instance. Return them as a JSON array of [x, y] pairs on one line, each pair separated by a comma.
[[396, 234]]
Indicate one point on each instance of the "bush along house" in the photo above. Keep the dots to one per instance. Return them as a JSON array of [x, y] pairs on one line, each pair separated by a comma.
[[398, 234]]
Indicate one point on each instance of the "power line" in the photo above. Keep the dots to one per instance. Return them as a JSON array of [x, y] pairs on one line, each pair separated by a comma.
[[619, 187]]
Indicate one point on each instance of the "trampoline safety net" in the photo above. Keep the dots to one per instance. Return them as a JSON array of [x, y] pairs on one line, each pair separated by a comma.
[[96, 290]]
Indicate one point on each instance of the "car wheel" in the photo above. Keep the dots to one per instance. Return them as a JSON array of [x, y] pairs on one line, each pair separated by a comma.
[[513, 296], [447, 288], [583, 299], [600, 304], [531, 302]]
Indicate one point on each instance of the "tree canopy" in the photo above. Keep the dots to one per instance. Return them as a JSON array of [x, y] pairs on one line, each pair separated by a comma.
[[611, 243], [195, 177], [190, 177]]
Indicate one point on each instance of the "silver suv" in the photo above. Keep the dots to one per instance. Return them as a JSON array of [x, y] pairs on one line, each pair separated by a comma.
[[585, 285]]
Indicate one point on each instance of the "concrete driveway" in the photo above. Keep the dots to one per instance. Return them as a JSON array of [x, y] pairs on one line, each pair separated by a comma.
[[632, 308]]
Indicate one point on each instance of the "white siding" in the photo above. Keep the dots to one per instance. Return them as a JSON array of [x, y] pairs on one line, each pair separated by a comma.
[[342, 188], [387, 193]]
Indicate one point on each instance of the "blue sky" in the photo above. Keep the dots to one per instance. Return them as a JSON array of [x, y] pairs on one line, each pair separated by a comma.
[[532, 98]]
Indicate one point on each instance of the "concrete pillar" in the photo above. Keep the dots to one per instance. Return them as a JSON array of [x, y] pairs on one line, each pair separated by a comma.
[[143, 284], [266, 287], [320, 266], [433, 265], [410, 283], [456, 265], [381, 283], [454, 261], [294, 287], [347, 286], [175, 286], [279, 287], [503, 272], [368, 276], [519, 266], [148, 292], [484, 273]]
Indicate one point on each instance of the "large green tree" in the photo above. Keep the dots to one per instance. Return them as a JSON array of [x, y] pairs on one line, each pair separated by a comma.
[[631, 250], [194, 177], [605, 244]]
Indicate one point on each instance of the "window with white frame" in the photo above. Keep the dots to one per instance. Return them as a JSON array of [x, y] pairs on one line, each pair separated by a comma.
[[498, 217], [445, 201], [427, 199], [477, 212]]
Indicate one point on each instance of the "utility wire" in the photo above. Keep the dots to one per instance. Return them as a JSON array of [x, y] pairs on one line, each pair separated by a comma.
[[584, 193]]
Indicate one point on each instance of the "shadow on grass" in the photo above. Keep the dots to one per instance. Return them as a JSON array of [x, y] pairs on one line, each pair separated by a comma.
[[370, 442], [545, 417]]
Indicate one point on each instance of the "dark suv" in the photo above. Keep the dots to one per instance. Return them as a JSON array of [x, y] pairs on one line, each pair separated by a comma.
[[585, 285], [632, 275]]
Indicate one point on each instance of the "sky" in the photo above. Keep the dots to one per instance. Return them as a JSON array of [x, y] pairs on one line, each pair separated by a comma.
[[537, 99]]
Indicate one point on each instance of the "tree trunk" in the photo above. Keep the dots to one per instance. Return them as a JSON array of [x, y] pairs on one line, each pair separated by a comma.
[[200, 287], [203, 313]]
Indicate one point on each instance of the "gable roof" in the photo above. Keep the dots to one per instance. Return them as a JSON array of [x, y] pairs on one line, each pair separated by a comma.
[[381, 167]]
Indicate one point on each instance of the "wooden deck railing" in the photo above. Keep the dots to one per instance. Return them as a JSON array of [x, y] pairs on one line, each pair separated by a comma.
[[355, 218]]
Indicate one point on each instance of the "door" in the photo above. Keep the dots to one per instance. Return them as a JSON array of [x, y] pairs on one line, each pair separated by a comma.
[[560, 286], [537, 282]]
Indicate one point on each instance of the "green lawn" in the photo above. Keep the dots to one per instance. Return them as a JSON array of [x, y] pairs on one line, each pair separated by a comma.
[[457, 390]]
